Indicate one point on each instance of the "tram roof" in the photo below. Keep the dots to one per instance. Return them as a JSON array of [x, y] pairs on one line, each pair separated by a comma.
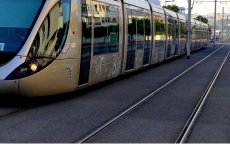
[[171, 13], [138, 3]]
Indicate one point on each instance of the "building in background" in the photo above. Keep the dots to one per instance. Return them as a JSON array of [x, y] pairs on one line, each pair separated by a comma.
[[226, 24], [181, 10], [156, 2]]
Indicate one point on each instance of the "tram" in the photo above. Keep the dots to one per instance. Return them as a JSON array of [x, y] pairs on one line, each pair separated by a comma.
[[50, 47]]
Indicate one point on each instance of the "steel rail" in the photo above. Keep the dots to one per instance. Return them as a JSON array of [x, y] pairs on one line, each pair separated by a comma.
[[195, 114]]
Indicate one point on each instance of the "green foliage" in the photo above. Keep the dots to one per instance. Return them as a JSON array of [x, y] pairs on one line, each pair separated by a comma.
[[159, 27], [202, 19], [172, 8], [170, 28]]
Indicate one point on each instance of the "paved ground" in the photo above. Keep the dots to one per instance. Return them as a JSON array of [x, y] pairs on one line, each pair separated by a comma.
[[72, 116], [213, 125], [163, 117]]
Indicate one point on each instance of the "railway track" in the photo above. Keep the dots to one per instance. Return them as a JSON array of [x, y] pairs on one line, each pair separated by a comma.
[[185, 131], [195, 114]]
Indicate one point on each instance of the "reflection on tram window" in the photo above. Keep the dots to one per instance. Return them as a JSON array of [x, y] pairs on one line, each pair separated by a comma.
[[136, 29], [52, 34], [172, 39], [147, 35], [139, 36], [193, 43], [182, 36], [106, 28], [159, 30], [140, 29]]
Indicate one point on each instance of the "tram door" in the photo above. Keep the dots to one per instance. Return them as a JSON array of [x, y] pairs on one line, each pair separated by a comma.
[[86, 43]]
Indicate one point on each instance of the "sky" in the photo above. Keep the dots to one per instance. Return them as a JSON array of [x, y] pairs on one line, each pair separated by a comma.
[[202, 8]]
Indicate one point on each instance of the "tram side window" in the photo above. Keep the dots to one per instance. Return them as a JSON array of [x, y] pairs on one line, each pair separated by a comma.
[[147, 30], [131, 30], [197, 32], [147, 33], [86, 27], [170, 30], [113, 29], [175, 31], [52, 34], [138, 22], [200, 33], [182, 30], [193, 32], [204, 32], [159, 30], [140, 37], [86, 42], [106, 28], [86, 34], [183, 35]]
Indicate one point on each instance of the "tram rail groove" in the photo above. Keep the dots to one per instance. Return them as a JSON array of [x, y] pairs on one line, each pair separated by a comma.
[[13, 113], [200, 105], [140, 102]]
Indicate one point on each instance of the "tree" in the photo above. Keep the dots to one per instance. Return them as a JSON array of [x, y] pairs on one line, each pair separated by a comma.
[[202, 19], [172, 8]]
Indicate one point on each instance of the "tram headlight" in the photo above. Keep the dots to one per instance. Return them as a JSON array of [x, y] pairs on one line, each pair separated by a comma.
[[33, 67], [29, 68]]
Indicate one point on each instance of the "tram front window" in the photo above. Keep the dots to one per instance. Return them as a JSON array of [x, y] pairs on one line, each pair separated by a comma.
[[16, 20]]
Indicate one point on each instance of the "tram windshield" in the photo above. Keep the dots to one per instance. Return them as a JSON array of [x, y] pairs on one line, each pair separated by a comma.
[[16, 20]]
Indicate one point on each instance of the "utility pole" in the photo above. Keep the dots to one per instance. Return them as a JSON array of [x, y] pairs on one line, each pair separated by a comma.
[[215, 25], [222, 32], [188, 47]]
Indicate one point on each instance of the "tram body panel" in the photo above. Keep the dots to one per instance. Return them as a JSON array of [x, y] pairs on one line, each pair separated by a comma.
[[6, 69], [59, 77], [73, 43], [104, 67], [72, 46]]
